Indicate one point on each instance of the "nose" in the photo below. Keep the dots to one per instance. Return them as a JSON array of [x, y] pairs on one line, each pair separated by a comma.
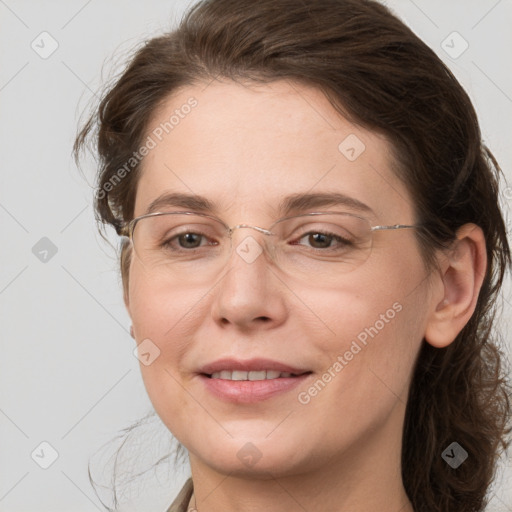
[[250, 293]]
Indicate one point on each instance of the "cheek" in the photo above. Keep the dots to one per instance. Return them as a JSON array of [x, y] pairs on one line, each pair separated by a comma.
[[161, 311], [367, 370], [164, 320], [375, 329], [374, 333]]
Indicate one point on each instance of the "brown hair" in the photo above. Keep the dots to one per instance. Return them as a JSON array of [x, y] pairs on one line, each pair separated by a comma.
[[377, 73]]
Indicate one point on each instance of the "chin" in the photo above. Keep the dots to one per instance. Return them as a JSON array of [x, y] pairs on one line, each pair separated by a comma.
[[254, 457], [264, 469]]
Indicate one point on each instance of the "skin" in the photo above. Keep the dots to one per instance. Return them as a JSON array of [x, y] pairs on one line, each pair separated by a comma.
[[245, 147]]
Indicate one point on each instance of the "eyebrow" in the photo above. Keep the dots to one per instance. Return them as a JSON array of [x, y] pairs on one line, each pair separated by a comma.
[[292, 203]]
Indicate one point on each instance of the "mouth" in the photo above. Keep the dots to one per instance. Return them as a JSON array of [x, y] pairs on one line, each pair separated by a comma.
[[250, 381], [249, 387], [255, 375]]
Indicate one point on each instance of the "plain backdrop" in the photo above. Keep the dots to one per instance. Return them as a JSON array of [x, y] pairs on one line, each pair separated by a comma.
[[69, 381]]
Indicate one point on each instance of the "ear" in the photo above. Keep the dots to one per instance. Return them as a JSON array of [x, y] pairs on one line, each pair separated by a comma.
[[126, 299], [462, 271], [125, 277], [126, 251]]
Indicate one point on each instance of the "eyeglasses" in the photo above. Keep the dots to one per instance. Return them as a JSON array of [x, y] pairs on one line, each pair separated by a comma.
[[195, 247]]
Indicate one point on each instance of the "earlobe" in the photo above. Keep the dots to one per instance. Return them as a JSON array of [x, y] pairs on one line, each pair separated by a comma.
[[460, 279]]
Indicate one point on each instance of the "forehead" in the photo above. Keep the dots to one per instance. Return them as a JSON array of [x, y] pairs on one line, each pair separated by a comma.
[[246, 146]]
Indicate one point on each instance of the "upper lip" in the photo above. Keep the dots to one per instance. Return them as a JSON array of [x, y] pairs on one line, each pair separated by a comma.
[[248, 365]]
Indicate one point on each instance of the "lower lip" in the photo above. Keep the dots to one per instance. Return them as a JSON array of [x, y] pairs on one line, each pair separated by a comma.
[[250, 391]]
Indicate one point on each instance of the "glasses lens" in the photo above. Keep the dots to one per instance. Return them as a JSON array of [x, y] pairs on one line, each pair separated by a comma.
[[310, 248], [182, 246], [321, 246]]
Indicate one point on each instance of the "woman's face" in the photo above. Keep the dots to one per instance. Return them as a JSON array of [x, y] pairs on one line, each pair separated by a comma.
[[356, 333]]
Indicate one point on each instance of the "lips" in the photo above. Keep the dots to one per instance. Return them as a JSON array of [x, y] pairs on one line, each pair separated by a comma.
[[250, 381], [241, 370]]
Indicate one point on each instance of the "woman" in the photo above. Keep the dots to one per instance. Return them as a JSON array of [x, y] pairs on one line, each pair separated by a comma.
[[312, 252]]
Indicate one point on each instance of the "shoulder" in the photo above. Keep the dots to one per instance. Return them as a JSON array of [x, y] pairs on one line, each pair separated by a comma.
[[180, 504]]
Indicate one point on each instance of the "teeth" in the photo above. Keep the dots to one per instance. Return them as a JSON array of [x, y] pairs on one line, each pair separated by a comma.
[[256, 375]]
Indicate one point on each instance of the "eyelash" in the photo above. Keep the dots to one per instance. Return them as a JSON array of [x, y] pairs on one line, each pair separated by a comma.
[[342, 241]]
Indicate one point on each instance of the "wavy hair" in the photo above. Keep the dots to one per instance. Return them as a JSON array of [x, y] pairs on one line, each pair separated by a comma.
[[378, 74]]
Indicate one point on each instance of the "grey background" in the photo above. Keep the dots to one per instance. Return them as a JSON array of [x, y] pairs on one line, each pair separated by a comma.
[[68, 376]]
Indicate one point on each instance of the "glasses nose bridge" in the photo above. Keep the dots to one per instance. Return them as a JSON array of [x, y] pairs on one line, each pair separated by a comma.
[[257, 228], [268, 241]]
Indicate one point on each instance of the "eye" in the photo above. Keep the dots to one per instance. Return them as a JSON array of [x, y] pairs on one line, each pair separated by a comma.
[[190, 240], [324, 240], [187, 240]]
